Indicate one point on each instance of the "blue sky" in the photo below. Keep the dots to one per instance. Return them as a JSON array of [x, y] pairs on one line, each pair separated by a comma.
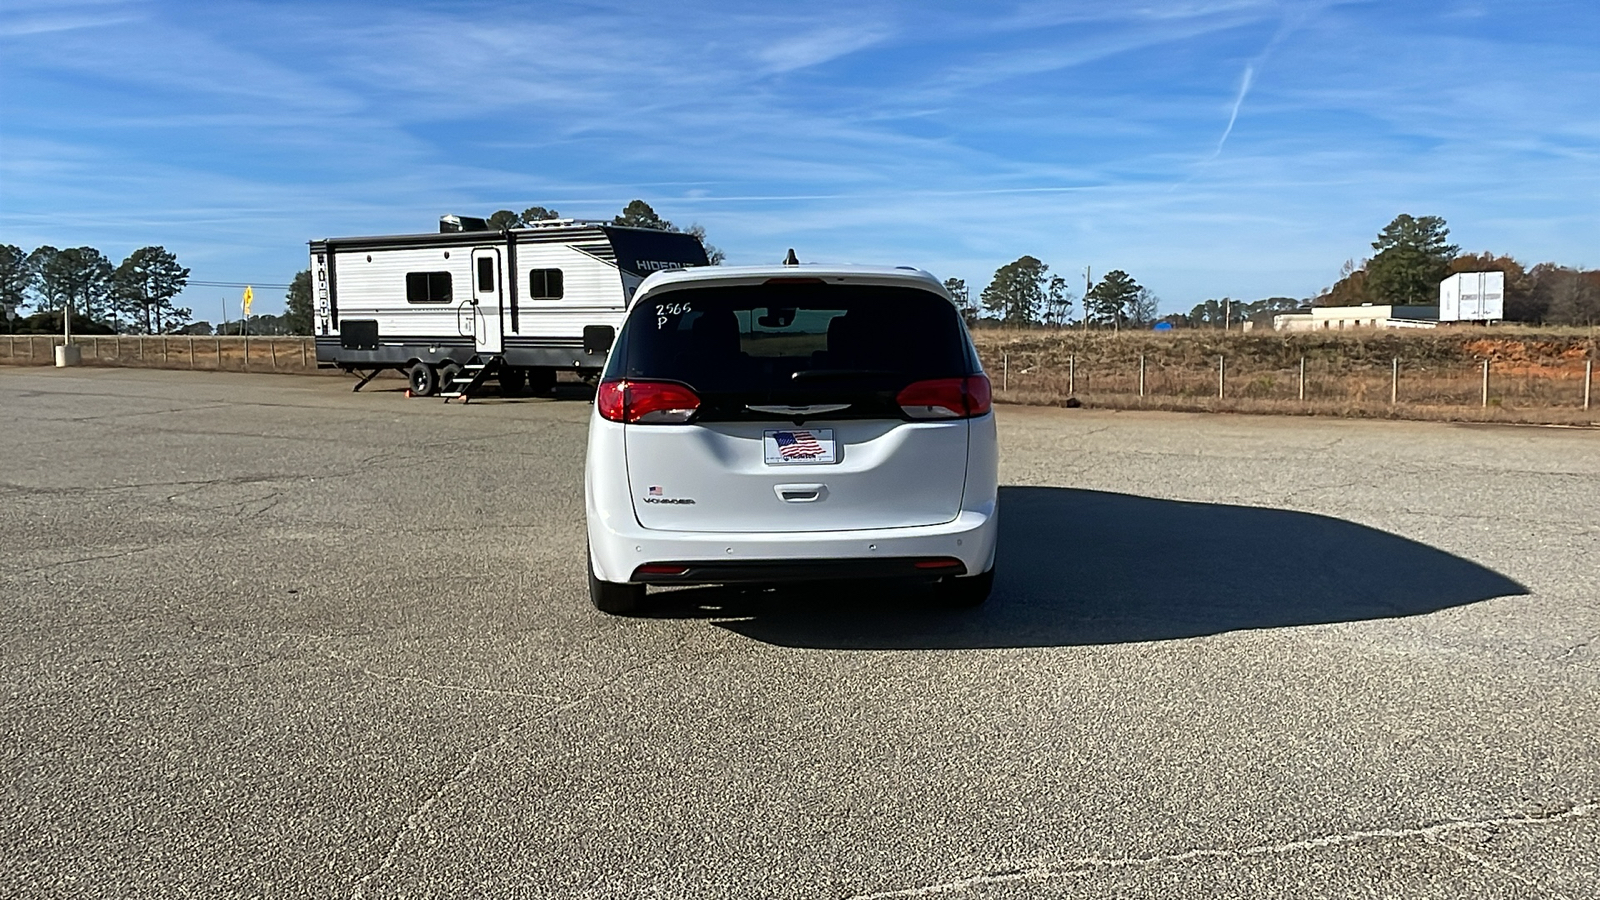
[[1208, 148]]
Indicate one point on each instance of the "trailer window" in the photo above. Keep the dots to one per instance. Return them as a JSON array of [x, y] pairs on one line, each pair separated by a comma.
[[427, 287], [544, 284], [485, 274]]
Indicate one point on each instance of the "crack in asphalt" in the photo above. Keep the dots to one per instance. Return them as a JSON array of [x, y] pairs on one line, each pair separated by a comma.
[[81, 559], [1083, 866], [437, 685], [1464, 853], [415, 817], [1583, 645]]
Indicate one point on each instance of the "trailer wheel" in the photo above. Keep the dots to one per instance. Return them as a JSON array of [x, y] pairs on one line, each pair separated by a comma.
[[424, 380], [448, 372], [514, 382], [541, 381]]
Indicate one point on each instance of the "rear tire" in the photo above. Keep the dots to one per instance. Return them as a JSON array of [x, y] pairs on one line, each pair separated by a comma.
[[541, 381], [966, 593], [514, 382], [448, 372], [424, 380], [615, 599]]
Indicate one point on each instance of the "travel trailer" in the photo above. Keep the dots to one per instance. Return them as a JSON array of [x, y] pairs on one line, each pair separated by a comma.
[[455, 309]]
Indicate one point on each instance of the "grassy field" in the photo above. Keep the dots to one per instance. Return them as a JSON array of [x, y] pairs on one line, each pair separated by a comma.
[[1534, 375]]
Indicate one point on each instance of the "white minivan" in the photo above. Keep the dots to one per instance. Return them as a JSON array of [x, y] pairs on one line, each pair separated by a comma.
[[771, 425]]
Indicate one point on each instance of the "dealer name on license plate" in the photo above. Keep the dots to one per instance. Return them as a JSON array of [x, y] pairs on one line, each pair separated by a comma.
[[799, 446]]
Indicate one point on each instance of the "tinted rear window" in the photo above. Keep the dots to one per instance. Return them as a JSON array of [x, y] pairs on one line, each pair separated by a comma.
[[794, 343]]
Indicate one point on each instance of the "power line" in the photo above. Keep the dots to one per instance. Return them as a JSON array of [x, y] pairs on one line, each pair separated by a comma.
[[237, 284]]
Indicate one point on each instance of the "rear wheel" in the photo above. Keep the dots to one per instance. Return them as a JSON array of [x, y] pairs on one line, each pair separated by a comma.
[[965, 593], [424, 380], [514, 382], [541, 381], [613, 598], [448, 372]]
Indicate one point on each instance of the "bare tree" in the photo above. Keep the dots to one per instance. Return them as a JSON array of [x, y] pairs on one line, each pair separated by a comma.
[[1057, 302]]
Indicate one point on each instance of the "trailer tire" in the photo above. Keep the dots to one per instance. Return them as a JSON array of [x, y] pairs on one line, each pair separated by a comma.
[[448, 372], [514, 382], [424, 380]]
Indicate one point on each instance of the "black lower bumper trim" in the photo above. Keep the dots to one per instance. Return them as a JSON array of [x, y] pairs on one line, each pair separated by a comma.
[[765, 571]]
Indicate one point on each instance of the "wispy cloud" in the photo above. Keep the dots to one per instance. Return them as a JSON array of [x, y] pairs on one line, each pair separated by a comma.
[[1238, 101], [820, 46]]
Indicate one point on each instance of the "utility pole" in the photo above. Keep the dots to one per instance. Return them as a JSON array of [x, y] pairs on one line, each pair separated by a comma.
[[1227, 313], [1088, 285]]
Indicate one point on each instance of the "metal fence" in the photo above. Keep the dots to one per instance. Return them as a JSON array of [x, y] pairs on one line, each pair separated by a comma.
[[1151, 380]]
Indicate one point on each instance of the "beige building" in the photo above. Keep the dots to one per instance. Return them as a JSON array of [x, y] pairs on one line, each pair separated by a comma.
[[1367, 315]]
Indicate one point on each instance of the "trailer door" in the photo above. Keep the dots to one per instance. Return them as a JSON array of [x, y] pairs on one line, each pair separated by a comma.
[[486, 280]]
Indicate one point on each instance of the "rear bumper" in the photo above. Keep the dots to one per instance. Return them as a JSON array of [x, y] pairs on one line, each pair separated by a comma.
[[729, 558], [766, 571]]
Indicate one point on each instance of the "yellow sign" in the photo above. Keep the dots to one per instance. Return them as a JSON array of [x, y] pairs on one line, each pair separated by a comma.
[[249, 295]]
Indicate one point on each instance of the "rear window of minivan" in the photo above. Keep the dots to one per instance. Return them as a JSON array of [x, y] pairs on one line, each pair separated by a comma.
[[794, 343]]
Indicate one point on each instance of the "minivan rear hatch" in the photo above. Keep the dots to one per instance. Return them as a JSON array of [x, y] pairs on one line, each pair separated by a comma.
[[801, 423]]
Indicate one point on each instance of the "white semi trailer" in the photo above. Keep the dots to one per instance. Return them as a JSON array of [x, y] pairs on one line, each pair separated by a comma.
[[1473, 297], [469, 304]]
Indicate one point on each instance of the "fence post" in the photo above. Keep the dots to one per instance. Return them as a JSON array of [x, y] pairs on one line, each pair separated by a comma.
[[1486, 384], [1394, 382], [272, 346], [1222, 374], [191, 351], [1141, 374], [1005, 371], [218, 342], [1302, 379], [1588, 375], [302, 353], [1072, 374]]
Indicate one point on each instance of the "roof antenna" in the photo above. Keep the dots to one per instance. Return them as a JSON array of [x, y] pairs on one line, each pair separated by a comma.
[[791, 259]]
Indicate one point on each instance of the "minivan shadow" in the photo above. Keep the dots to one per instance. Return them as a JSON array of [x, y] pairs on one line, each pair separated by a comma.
[[1079, 567]]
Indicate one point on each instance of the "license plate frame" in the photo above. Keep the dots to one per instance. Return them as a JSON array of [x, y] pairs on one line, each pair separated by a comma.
[[800, 443]]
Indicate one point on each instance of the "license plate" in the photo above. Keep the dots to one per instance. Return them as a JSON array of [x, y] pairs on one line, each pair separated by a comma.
[[799, 446]]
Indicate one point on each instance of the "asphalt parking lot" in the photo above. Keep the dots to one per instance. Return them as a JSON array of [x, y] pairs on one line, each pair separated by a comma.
[[266, 637]]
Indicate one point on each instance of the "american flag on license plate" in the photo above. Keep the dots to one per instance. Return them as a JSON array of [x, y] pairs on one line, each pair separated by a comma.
[[655, 490], [797, 444]]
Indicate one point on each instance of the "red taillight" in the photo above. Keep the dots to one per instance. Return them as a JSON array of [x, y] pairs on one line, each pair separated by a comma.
[[946, 398], [659, 569], [941, 563], [646, 402]]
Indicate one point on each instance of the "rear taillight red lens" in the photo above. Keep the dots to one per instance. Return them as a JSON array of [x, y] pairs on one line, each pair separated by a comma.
[[660, 569], [646, 402], [946, 398]]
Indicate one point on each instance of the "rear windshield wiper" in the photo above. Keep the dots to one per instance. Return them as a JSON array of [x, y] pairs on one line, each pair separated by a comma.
[[831, 374]]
